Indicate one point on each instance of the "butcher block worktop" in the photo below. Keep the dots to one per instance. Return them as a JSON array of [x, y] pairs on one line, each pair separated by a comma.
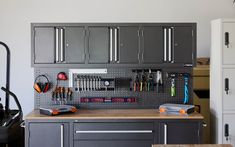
[[114, 114]]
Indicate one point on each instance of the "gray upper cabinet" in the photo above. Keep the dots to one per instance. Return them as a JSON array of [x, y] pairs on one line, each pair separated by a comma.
[[55, 44], [44, 45], [74, 47], [113, 43], [152, 44], [128, 46], [48, 135], [98, 45], [183, 45], [179, 45]]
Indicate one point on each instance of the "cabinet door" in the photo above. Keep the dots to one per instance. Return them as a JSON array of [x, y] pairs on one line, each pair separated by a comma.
[[113, 143], [48, 135], [229, 98], [180, 133], [98, 45], [128, 51], [183, 45], [152, 45], [229, 119], [44, 45], [228, 43], [74, 44]]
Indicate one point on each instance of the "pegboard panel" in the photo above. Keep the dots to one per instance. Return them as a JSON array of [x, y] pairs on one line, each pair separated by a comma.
[[145, 99]]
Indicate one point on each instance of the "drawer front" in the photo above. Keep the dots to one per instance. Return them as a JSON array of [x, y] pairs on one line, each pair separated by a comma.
[[113, 143], [112, 131]]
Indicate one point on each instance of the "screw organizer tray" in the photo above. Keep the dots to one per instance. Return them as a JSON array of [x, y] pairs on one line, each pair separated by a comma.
[[117, 87]]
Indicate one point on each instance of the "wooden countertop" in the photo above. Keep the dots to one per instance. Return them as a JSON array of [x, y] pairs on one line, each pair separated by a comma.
[[114, 114], [193, 145]]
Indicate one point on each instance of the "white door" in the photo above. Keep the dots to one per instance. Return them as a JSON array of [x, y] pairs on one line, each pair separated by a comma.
[[229, 95], [229, 119], [228, 43]]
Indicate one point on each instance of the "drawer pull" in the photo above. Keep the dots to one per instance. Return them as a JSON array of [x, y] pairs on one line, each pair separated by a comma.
[[165, 133], [117, 131], [165, 44], [56, 44], [62, 135]]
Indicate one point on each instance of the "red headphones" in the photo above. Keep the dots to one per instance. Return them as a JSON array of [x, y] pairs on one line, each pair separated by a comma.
[[41, 86]]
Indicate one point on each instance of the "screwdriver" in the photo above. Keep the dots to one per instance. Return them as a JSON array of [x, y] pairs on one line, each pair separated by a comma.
[[173, 91]]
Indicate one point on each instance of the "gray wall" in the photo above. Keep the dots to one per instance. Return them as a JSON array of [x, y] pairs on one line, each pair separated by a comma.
[[16, 16]]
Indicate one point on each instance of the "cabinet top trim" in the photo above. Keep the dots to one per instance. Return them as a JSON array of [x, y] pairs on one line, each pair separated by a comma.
[[115, 24]]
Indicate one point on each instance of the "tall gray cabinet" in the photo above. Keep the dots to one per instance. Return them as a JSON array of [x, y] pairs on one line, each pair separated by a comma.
[[222, 81]]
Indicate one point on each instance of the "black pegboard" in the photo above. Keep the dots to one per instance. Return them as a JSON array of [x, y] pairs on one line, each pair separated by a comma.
[[149, 99]]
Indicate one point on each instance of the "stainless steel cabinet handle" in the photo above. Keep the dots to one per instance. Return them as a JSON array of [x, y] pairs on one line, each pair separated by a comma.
[[169, 44], [62, 135], [116, 131], [226, 131], [57, 44], [115, 44], [61, 45], [111, 43], [226, 88], [172, 45], [226, 39], [165, 133], [165, 43]]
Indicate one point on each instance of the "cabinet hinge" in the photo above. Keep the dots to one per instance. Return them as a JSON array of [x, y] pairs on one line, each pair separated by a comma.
[[88, 33], [198, 133], [29, 134], [84, 33]]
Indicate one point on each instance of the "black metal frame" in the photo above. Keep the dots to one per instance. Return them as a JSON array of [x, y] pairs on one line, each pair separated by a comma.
[[11, 132], [7, 76]]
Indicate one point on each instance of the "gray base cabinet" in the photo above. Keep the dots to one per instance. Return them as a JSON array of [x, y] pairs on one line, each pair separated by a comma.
[[182, 132], [114, 143], [111, 133], [48, 135]]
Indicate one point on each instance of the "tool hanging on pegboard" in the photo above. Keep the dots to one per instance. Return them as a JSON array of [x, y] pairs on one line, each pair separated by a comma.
[[61, 95], [42, 87], [173, 77], [186, 87], [87, 83], [159, 82], [145, 80]]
